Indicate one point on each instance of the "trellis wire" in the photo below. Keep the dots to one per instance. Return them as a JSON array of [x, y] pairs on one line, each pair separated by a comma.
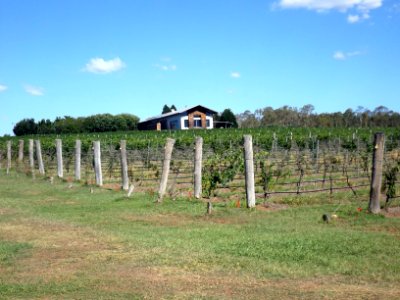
[[324, 160]]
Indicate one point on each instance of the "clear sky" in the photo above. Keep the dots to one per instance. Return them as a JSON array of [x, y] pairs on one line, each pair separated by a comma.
[[83, 57]]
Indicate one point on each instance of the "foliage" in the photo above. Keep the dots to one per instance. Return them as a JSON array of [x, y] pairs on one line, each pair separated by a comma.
[[25, 126], [220, 169], [390, 179], [305, 117], [167, 109], [266, 176], [217, 139], [226, 119], [69, 125]]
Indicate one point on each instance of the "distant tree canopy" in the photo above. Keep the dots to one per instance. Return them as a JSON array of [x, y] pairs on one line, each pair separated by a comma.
[[226, 119], [167, 109], [381, 116], [67, 124], [305, 117], [25, 126]]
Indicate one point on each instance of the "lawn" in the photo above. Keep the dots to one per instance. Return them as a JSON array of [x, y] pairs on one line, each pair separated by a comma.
[[70, 241]]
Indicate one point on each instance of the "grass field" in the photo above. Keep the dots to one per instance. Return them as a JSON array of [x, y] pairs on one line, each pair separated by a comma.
[[64, 242]]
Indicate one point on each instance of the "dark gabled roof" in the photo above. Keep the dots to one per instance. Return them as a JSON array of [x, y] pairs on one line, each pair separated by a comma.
[[177, 112]]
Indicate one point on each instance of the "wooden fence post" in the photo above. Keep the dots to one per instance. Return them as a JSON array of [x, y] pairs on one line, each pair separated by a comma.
[[124, 166], [31, 160], [39, 157], [317, 157], [166, 165], [20, 151], [249, 171], [374, 205], [97, 163], [198, 157], [8, 157], [60, 171], [78, 147]]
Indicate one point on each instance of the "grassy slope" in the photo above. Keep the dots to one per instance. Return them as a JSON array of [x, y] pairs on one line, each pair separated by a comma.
[[57, 241]]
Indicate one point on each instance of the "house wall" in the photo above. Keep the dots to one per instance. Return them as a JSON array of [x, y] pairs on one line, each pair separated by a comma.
[[174, 122], [181, 121], [190, 119]]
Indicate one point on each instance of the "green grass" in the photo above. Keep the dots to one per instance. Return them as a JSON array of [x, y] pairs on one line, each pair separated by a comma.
[[104, 245], [10, 251]]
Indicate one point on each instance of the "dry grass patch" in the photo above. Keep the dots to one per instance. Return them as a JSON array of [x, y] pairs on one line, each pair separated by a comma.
[[171, 220], [59, 250], [176, 283], [6, 211]]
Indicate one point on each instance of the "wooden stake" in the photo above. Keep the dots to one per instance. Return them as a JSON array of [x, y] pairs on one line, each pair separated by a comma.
[[124, 166], [78, 147], [317, 157], [31, 160], [198, 156], [376, 181], [249, 171], [209, 208], [130, 190], [39, 157], [8, 157], [169, 146], [60, 170], [97, 163], [21, 151]]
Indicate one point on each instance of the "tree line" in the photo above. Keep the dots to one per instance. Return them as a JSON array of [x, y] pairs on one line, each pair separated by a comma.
[[67, 124], [305, 116], [288, 116]]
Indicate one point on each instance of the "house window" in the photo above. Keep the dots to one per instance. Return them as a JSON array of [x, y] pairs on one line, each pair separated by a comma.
[[208, 123], [197, 123], [186, 124]]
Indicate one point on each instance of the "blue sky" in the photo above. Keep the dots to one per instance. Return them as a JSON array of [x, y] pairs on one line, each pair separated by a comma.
[[79, 58]]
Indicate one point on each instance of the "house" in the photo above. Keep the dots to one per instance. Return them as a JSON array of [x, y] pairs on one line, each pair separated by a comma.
[[193, 117]]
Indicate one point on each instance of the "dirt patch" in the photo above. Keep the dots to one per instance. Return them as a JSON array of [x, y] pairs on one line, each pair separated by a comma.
[[112, 186], [391, 212], [272, 206]]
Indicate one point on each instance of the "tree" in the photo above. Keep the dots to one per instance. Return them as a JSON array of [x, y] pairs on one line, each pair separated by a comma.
[[349, 118], [305, 114], [45, 127], [66, 125], [248, 120], [24, 127], [131, 121], [228, 119], [173, 108], [166, 109]]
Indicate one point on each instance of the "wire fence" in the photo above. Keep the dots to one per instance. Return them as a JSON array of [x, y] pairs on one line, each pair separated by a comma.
[[317, 167]]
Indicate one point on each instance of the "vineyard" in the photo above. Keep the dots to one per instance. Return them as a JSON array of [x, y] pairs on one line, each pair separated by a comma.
[[287, 162]]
